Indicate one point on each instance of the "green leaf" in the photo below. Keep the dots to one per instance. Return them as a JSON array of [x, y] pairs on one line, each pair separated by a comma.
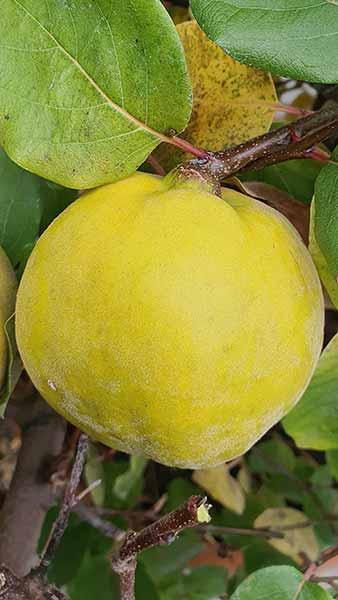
[[14, 365], [287, 37], [272, 456], [20, 209], [278, 583], [70, 554], [94, 579], [87, 88], [144, 587], [161, 562], [332, 461], [329, 282], [258, 554], [125, 483], [295, 177], [313, 423], [203, 583], [178, 491], [25, 199], [326, 214], [53, 201]]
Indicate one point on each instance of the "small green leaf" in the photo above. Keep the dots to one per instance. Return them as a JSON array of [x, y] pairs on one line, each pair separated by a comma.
[[287, 37], [279, 583], [125, 483], [326, 214], [14, 365], [332, 461], [87, 88], [313, 423]]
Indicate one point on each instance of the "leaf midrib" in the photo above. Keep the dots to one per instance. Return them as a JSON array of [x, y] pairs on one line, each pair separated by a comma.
[[122, 111]]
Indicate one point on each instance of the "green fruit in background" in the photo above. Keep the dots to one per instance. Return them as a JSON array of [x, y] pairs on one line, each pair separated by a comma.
[[8, 286]]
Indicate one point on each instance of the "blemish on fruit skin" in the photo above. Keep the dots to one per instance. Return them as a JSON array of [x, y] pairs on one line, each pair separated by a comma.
[[52, 385]]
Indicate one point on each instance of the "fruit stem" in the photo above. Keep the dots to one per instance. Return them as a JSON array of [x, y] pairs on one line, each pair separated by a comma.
[[292, 141]]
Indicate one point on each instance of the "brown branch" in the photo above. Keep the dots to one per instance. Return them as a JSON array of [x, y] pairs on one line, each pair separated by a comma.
[[31, 587], [68, 502], [31, 493], [292, 141], [164, 531]]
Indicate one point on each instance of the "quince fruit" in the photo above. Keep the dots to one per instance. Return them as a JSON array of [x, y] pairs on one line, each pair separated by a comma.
[[164, 320]]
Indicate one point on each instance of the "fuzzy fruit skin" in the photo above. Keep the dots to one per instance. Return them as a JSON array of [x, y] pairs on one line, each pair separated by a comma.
[[8, 287], [169, 322]]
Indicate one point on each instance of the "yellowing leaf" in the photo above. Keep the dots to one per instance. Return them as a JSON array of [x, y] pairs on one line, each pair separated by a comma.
[[244, 478], [297, 541], [331, 285], [229, 99], [222, 487]]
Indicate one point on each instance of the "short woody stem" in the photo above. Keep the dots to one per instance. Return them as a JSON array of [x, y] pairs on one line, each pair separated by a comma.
[[295, 140], [164, 531]]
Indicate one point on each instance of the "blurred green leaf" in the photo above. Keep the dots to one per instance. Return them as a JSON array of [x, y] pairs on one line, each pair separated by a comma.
[[275, 36], [70, 554], [202, 583], [271, 456], [278, 583], [125, 483], [178, 491], [295, 177], [94, 579], [20, 208], [161, 562], [83, 119], [258, 554], [54, 201], [144, 586], [332, 461], [326, 214], [14, 365], [26, 200], [313, 423]]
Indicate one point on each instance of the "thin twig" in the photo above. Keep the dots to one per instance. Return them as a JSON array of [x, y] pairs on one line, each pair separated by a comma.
[[164, 531], [220, 530], [68, 502]]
